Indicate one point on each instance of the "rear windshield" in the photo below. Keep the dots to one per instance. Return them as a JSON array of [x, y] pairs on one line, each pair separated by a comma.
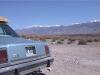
[[6, 30]]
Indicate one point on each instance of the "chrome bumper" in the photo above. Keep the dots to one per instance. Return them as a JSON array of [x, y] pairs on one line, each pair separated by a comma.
[[34, 65]]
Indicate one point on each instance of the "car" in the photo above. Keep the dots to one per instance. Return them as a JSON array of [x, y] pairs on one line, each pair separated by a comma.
[[19, 56]]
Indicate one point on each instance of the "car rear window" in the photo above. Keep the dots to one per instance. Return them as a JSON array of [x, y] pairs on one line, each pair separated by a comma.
[[6, 30], [1, 31]]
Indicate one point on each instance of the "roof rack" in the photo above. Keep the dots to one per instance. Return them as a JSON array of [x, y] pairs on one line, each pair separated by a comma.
[[3, 19]]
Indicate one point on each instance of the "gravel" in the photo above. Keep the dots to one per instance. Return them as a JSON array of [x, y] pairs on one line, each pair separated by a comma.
[[75, 59]]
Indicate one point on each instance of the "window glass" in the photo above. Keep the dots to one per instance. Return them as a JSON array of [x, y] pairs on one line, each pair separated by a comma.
[[6, 30], [1, 31]]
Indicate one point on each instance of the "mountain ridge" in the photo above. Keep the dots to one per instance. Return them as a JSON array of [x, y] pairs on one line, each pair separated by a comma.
[[81, 28]]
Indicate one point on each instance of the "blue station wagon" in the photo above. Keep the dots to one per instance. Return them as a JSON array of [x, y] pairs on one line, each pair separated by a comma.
[[19, 56]]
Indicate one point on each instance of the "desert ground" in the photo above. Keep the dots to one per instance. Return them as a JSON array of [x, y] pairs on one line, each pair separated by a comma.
[[73, 59]]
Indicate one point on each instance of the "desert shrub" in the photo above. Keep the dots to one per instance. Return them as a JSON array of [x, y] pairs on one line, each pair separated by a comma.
[[62, 39], [53, 40], [82, 42], [59, 42], [96, 40], [89, 40], [43, 40], [71, 39], [23, 36]]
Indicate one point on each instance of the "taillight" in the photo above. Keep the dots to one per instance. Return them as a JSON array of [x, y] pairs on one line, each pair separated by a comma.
[[47, 49], [3, 56]]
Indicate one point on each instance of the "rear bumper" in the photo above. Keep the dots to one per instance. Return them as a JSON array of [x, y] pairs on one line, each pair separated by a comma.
[[33, 65]]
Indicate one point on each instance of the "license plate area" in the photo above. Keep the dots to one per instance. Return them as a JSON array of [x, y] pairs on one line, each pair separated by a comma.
[[30, 51]]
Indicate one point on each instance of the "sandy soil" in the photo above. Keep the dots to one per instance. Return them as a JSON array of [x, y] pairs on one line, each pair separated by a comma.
[[75, 59]]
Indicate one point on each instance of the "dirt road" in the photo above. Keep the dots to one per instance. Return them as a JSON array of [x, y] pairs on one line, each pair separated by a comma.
[[75, 59]]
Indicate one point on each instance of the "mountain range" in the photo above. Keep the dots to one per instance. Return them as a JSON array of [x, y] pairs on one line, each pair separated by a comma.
[[80, 28]]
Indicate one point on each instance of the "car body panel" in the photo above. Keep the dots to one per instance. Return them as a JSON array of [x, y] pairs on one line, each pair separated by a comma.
[[23, 54]]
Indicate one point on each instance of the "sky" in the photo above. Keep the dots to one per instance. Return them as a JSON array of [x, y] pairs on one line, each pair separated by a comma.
[[24, 13]]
